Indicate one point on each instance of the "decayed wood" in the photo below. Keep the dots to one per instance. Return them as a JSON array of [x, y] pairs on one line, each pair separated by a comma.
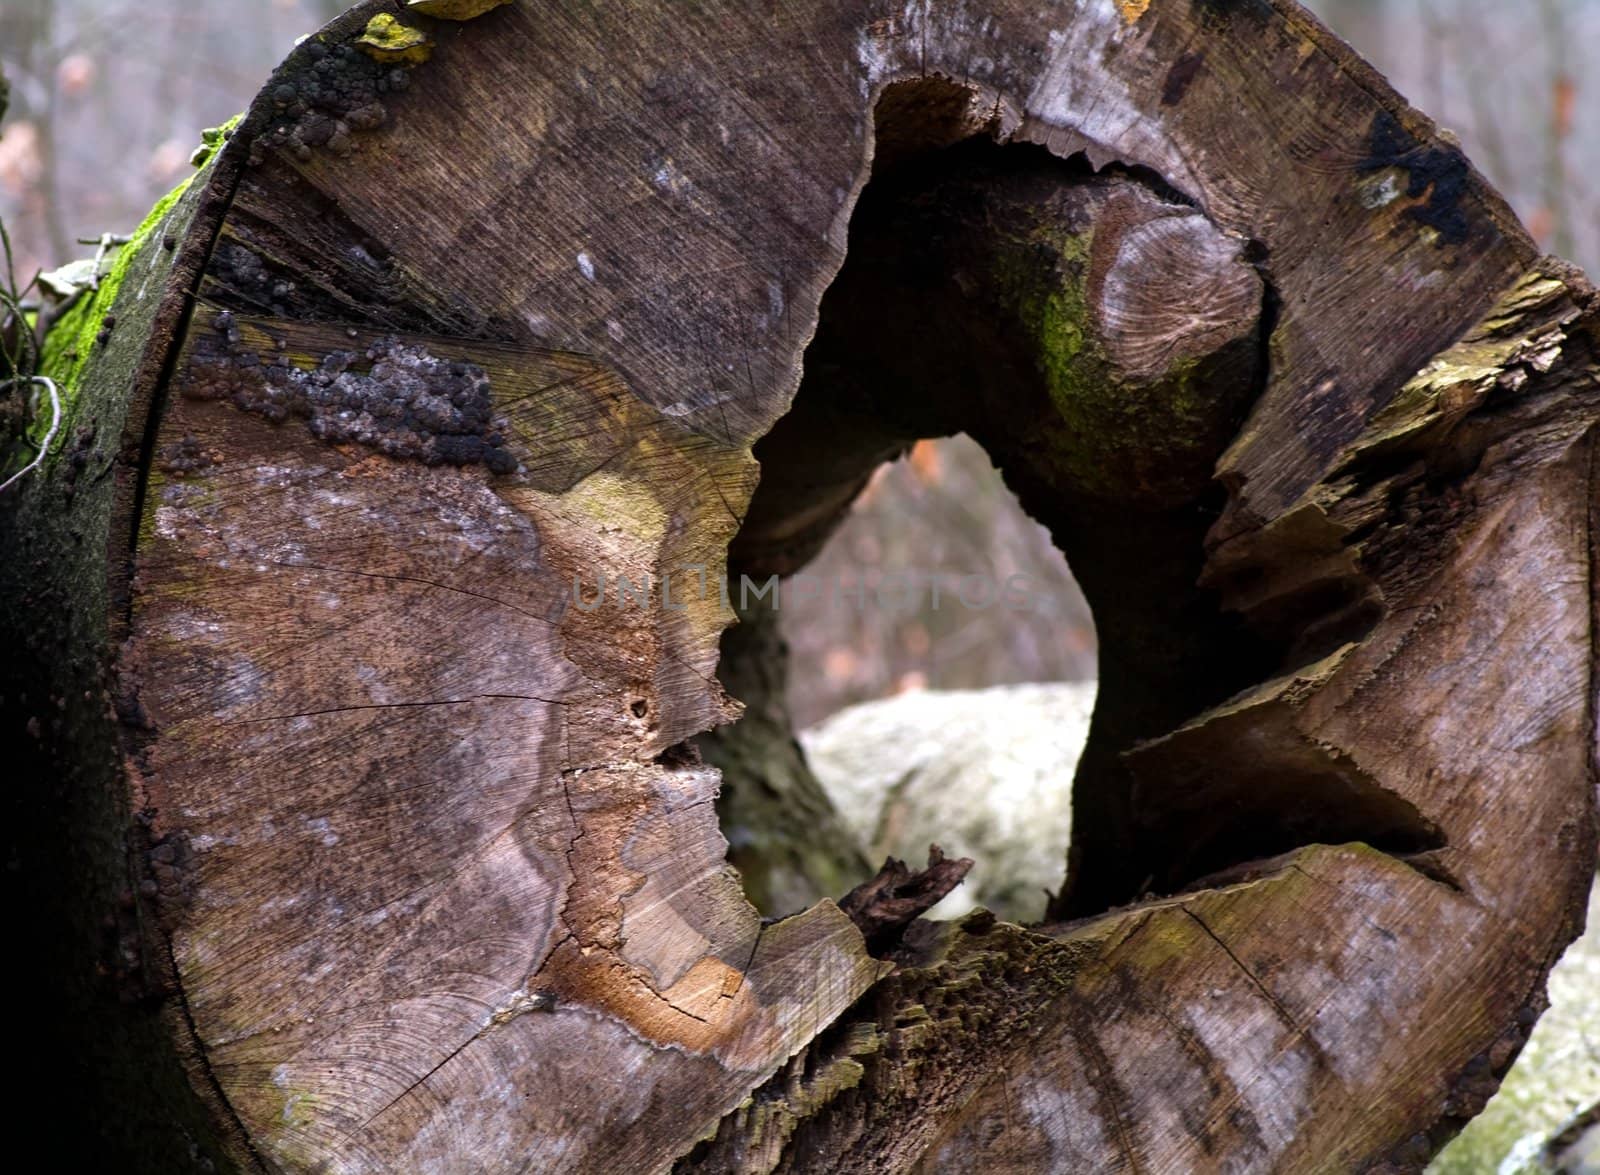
[[495, 306], [988, 277], [884, 907]]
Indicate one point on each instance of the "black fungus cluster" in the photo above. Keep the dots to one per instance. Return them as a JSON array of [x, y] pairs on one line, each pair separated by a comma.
[[184, 456], [394, 397], [246, 275], [328, 95]]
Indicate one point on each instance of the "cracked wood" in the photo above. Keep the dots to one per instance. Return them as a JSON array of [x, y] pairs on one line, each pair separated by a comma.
[[437, 888]]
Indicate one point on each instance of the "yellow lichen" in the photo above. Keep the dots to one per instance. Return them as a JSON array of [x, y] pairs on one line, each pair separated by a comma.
[[387, 39], [453, 9], [1132, 10], [623, 507]]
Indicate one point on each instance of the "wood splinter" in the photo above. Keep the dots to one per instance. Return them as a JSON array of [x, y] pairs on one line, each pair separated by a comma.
[[883, 907]]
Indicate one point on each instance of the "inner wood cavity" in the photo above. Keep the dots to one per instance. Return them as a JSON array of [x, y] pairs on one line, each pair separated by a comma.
[[1103, 341]]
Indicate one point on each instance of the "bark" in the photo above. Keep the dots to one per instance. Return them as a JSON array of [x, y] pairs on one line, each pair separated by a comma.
[[100, 1017], [785, 838], [424, 874]]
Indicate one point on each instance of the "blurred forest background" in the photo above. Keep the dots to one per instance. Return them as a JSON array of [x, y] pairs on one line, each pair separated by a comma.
[[108, 99]]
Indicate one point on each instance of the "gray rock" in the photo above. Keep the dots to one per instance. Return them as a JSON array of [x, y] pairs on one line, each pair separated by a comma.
[[985, 774]]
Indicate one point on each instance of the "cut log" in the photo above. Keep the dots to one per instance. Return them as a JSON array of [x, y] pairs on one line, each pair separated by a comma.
[[366, 618]]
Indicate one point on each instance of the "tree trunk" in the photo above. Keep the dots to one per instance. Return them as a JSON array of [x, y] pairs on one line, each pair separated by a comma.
[[383, 817]]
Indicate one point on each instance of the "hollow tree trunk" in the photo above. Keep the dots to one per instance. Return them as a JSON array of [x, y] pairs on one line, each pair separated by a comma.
[[395, 848]]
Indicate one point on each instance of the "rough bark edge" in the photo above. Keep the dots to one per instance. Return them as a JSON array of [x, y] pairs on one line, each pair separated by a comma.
[[152, 1099], [67, 544]]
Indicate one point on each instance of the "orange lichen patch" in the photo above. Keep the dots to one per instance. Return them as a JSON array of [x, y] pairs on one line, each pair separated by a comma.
[[1132, 10]]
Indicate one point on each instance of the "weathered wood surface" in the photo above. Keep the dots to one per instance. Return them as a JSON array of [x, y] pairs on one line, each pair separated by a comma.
[[443, 889]]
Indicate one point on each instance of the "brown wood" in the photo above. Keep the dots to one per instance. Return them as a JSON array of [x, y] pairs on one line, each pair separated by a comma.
[[434, 880], [885, 907]]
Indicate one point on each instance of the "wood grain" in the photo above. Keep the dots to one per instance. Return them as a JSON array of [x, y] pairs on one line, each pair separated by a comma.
[[442, 888]]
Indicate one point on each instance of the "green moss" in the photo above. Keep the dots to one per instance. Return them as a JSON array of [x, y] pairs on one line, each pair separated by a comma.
[[1111, 439], [73, 337], [1059, 331], [109, 1037], [1095, 427], [1055, 310], [212, 138], [1051, 304]]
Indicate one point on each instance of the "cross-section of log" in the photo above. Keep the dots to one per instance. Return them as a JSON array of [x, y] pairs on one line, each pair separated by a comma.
[[367, 617]]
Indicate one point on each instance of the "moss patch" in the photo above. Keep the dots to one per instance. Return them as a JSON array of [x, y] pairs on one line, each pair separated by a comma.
[[212, 138], [1111, 439], [74, 336]]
